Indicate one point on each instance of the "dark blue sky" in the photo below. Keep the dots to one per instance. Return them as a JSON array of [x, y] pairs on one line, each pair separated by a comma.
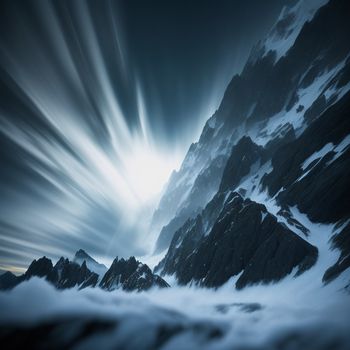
[[185, 52], [181, 53]]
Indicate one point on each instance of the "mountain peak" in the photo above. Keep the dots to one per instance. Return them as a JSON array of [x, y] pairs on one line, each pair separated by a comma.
[[81, 253], [130, 274], [287, 28], [82, 256]]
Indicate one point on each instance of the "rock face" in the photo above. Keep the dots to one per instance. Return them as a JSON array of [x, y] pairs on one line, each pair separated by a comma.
[[202, 190], [342, 242], [315, 168], [40, 268], [130, 275], [8, 281], [245, 239], [143, 279], [67, 274], [283, 130], [243, 156]]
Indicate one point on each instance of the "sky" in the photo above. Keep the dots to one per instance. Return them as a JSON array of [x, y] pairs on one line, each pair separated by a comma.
[[99, 102]]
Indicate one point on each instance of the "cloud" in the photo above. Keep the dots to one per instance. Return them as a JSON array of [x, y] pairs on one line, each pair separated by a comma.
[[261, 317]]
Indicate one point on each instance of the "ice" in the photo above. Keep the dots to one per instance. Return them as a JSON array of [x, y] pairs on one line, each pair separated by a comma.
[[329, 147], [273, 128], [298, 15], [335, 93], [250, 184], [318, 155], [340, 149], [320, 237]]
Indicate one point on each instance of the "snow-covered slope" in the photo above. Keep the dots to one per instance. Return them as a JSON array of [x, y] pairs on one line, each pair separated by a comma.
[[287, 120], [287, 28], [273, 101]]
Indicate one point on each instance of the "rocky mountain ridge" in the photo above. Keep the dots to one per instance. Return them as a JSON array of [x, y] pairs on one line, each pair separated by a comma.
[[129, 275], [283, 132]]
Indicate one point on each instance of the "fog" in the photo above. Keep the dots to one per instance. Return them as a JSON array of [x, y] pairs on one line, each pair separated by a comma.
[[293, 314]]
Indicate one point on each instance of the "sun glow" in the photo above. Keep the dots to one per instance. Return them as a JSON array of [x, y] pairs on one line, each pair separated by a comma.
[[94, 173], [146, 170]]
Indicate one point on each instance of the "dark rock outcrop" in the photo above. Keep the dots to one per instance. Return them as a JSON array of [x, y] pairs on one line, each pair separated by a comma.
[[66, 274], [39, 268], [130, 275], [244, 238], [90, 281], [205, 186], [243, 155], [8, 280], [342, 242], [324, 180], [143, 279]]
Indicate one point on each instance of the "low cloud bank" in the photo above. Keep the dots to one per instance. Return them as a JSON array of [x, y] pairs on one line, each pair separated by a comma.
[[279, 316]]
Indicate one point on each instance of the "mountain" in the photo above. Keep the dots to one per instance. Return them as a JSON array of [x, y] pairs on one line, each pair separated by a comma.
[[130, 275], [245, 238], [8, 280], [40, 268], [67, 274], [277, 95], [64, 274], [189, 197], [81, 256], [281, 193]]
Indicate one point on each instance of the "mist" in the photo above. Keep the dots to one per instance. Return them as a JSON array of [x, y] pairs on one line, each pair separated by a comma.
[[261, 317]]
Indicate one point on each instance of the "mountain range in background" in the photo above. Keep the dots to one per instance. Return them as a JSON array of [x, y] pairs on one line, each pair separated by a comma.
[[84, 271]]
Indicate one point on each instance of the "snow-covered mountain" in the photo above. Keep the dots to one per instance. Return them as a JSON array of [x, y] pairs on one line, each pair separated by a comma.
[[81, 256], [279, 200], [275, 98]]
